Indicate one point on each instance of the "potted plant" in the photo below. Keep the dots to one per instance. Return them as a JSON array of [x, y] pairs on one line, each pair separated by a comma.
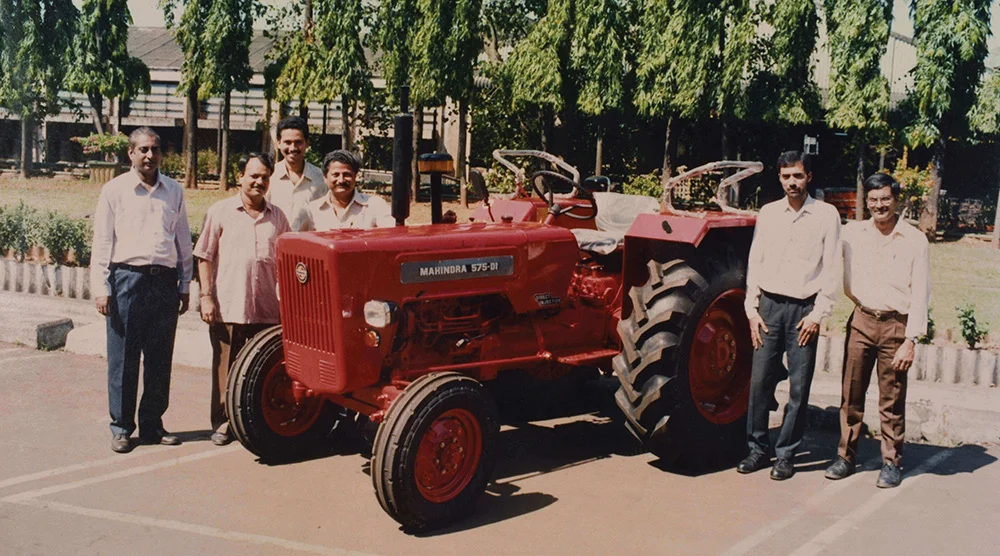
[[111, 145]]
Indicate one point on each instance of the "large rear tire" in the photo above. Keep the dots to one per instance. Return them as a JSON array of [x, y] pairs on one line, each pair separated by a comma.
[[263, 413], [684, 370], [435, 451]]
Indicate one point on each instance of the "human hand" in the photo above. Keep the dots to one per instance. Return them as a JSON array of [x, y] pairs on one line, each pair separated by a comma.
[[102, 304], [903, 359], [756, 323], [209, 310], [808, 330], [185, 301]]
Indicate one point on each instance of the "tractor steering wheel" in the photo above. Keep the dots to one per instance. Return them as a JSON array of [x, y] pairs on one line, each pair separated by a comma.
[[580, 193]]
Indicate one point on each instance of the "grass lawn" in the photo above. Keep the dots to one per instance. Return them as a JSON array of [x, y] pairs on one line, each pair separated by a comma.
[[961, 271]]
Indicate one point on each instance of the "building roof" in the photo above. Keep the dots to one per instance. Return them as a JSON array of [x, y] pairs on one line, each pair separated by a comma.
[[156, 47]]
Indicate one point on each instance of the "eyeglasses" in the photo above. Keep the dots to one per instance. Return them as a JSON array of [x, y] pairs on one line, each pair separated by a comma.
[[876, 201]]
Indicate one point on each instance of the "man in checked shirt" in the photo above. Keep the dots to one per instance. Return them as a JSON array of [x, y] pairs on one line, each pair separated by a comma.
[[887, 276]]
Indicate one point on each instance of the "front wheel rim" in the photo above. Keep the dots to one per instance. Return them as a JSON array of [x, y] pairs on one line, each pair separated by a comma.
[[282, 413], [448, 456], [720, 361]]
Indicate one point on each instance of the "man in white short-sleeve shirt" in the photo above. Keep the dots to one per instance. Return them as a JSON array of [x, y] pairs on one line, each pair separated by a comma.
[[345, 206], [295, 183]]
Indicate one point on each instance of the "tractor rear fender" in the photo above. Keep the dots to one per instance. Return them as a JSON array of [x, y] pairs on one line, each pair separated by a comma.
[[700, 241]]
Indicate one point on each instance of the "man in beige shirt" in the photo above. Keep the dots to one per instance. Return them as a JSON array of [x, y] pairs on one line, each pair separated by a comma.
[[887, 276], [295, 182], [345, 206]]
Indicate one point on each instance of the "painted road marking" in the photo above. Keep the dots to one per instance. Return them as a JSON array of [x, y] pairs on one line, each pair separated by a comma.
[[173, 462], [11, 350], [771, 529], [169, 524], [72, 468], [829, 535]]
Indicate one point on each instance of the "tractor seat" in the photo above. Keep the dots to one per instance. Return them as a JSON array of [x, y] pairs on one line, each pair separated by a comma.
[[615, 214]]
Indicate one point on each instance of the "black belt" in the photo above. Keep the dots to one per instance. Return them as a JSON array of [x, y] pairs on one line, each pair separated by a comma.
[[786, 299], [879, 315], [147, 269]]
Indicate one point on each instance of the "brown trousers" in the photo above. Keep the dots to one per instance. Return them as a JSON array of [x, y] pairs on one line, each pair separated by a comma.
[[872, 342], [227, 340]]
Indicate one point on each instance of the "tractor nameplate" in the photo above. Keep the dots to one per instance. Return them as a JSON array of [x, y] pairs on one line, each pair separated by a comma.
[[456, 269]]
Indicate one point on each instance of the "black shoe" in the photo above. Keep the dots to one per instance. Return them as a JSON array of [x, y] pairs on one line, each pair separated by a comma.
[[160, 437], [782, 469], [773, 404], [890, 477], [841, 469], [221, 438], [121, 443], [754, 462]]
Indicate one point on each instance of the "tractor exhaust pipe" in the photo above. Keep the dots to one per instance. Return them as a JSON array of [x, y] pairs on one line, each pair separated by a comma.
[[402, 157]]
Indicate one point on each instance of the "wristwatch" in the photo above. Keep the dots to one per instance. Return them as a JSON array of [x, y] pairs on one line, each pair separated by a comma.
[[914, 339]]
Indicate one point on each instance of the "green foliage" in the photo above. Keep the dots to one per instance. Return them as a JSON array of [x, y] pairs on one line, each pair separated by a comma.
[[985, 115], [538, 66], [18, 229], [972, 330], [445, 47], [915, 185], [929, 336], [225, 46], [314, 157], [506, 22], [499, 179], [172, 165], [101, 64], [62, 236], [208, 163], [858, 35], [951, 49], [108, 144], [597, 56], [644, 184], [393, 39], [493, 123]]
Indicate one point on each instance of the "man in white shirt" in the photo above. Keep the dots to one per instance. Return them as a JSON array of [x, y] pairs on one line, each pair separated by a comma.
[[791, 278], [295, 183], [140, 272], [887, 276], [345, 206]]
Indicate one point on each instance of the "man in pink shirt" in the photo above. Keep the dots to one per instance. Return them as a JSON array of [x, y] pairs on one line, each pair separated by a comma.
[[236, 265]]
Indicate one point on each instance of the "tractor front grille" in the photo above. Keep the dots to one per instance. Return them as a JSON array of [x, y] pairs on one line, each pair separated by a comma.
[[307, 310]]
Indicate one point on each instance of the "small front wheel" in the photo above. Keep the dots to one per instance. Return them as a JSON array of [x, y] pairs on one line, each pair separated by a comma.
[[435, 451]]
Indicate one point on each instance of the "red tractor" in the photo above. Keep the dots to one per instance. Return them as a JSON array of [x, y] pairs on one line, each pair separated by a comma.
[[404, 326]]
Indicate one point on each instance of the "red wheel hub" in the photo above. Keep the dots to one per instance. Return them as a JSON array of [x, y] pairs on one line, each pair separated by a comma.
[[282, 413], [448, 456], [721, 360]]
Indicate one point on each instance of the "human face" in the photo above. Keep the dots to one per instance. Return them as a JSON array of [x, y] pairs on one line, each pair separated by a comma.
[[145, 155], [292, 144], [794, 180], [882, 204], [254, 181], [341, 179]]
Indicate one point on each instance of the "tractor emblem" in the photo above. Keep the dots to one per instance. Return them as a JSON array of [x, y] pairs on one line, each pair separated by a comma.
[[301, 273]]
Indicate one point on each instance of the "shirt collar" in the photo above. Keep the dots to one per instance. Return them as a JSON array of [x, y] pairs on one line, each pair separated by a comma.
[[240, 207], [897, 230], [359, 198], [806, 205], [140, 183]]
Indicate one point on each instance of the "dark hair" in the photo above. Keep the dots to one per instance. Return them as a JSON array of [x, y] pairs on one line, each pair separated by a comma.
[[791, 158], [880, 180], [294, 122], [144, 131], [344, 157], [264, 158]]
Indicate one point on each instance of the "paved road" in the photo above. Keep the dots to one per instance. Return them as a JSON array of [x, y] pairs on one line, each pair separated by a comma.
[[564, 486]]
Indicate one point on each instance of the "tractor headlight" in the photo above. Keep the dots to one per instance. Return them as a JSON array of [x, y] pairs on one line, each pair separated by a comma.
[[378, 314]]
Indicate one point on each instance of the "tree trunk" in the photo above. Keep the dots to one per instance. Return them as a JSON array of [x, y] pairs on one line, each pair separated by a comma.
[[97, 110], [224, 150], [668, 165], [304, 110], [463, 146], [599, 152], [266, 144], [418, 133], [346, 134], [929, 217], [548, 131], [191, 138], [996, 224], [859, 201], [27, 130], [724, 139]]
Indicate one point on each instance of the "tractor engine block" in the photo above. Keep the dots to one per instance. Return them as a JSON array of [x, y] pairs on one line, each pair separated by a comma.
[[455, 329], [594, 285]]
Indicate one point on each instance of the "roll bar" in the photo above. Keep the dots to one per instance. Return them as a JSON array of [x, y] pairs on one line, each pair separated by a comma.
[[499, 155], [747, 169]]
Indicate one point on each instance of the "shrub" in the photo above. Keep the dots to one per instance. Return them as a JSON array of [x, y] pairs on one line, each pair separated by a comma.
[[62, 235], [208, 164], [914, 185], [926, 338], [172, 165], [972, 330], [644, 184], [111, 145], [18, 230], [500, 179]]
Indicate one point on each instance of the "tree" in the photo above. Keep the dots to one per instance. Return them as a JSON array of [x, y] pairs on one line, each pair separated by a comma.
[[225, 46], [858, 97], [951, 49], [394, 22], [189, 33], [344, 66], [693, 62], [445, 48], [985, 119], [598, 61], [102, 67], [506, 22], [35, 39], [299, 79]]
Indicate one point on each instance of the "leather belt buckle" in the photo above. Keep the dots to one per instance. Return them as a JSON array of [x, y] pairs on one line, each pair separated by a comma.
[[878, 314]]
